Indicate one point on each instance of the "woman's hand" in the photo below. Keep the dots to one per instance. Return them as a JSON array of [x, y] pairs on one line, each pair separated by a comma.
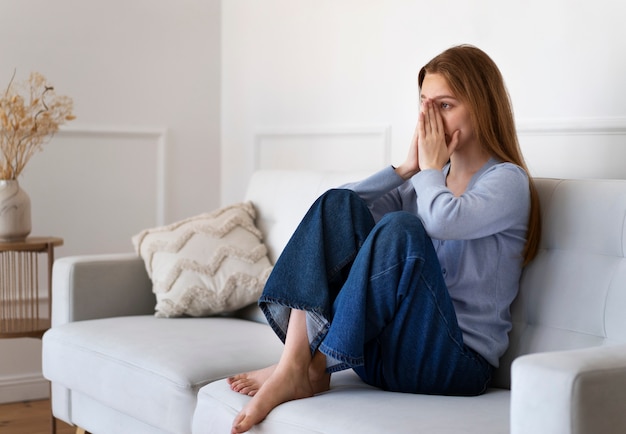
[[434, 151], [411, 165]]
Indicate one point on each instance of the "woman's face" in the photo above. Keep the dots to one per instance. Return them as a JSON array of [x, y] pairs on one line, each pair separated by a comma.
[[455, 114]]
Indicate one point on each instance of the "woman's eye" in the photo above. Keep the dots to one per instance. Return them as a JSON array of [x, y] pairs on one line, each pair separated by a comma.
[[445, 105]]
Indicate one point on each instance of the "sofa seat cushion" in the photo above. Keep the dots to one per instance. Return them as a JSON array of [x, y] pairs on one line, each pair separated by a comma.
[[351, 406], [152, 368]]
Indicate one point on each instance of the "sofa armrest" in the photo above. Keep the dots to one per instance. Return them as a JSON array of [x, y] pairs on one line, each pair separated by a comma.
[[573, 392], [100, 286]]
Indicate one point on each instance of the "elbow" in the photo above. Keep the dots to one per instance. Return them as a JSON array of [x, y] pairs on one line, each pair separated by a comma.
[[435, 228]]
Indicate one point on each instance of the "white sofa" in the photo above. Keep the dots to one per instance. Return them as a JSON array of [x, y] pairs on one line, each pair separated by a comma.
[[115, 368]]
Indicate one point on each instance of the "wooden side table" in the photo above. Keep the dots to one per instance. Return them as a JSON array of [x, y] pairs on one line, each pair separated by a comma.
[[21, 310], [24, 312]]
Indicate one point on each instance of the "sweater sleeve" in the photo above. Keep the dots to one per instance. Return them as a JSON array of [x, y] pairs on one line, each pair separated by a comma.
[[380, 191], [489, 205], [377, 185]]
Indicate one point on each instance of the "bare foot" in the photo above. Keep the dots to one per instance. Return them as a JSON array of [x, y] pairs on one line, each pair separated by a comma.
[[286, 383], [249, 383]]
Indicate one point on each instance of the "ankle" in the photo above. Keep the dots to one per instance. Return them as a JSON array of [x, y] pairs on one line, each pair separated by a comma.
[[317, 367]]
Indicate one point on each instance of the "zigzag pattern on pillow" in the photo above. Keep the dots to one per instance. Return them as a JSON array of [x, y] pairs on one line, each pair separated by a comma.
[[206, 264], [212, 267], [208, 223]]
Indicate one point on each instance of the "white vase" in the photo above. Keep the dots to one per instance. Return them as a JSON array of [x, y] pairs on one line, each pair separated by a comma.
[[15, 222]]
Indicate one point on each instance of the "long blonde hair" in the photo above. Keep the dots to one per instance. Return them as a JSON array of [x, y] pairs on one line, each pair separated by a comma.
[[476, 80]]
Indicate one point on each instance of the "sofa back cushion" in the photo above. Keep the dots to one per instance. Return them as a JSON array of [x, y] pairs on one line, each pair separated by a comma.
[[282, 198], [573, 294]]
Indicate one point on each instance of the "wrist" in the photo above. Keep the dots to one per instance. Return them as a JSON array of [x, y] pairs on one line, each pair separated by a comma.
[[404, 172]]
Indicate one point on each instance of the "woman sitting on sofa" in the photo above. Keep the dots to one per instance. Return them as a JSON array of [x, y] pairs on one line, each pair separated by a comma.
[[407, 276]]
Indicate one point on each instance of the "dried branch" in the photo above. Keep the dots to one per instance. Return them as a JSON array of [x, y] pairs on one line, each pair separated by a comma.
[[26, 124]]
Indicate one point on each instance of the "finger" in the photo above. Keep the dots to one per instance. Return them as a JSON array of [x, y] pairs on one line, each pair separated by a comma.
[[436, 121], [432, 117], [439, 120], [424, 117], [416, 134], [422, 127]]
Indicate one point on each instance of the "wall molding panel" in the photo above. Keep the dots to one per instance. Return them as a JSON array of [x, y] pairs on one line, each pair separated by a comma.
[[158, 135], [572, 126], [574, 147], [323, 147], [96, 186]]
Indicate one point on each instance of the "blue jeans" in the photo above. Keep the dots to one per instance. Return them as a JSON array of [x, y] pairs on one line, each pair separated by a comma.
[[375, 298]]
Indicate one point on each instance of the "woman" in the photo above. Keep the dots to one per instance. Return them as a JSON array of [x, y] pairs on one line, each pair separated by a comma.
[[407, 277]]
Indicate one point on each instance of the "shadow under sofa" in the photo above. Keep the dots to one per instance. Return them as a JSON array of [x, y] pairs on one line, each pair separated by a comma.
[[116, 368]]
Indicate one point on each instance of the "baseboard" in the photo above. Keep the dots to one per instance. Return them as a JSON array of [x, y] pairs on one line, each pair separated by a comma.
[[23, 388]]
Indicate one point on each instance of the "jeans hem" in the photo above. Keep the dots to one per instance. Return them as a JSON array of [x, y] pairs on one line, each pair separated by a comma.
[[337, 361], [277, 313]]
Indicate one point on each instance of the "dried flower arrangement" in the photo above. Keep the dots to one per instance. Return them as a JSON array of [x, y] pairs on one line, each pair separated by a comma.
[[30, 114]]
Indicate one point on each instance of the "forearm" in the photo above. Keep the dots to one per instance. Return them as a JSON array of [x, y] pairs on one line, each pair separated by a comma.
[[377, 185], [406, 171]]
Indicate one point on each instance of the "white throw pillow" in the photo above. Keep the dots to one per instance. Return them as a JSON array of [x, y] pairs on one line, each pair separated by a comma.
[[207, 264]]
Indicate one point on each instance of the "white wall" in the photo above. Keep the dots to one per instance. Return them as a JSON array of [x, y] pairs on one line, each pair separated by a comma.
[[314, 74], [144, 149]]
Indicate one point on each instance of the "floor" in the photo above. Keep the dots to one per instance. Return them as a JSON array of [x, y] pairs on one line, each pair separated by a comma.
[[30, 417]]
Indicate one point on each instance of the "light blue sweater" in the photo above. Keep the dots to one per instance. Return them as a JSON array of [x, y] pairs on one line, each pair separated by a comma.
[[479, 238]]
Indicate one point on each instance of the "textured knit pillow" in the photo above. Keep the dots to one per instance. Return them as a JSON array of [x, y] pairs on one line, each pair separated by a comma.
[[207, 264]]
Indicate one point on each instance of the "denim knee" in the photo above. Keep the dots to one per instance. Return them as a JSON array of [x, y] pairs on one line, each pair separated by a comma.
[[337, 196], [400, 223]]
